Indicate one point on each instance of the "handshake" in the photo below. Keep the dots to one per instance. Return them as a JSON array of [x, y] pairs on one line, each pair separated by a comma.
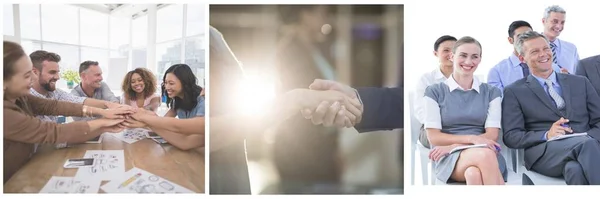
[[330, 103], [119, 117]]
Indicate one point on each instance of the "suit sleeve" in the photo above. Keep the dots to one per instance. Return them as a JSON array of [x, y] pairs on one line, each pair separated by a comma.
[[593, 107], [581, 69], [383, 109], [513, 124]]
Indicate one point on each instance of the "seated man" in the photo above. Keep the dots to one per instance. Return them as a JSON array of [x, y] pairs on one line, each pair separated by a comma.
[[91, 84], [46, 70], [548, 104], [590, 68]]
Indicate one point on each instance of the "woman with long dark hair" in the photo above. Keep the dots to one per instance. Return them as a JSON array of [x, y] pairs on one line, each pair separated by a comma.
[[186, 102]]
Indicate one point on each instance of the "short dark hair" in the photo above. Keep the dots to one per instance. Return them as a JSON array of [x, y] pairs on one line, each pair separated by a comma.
[[40, 56], [441, 40], [86, 64], [515, 25]]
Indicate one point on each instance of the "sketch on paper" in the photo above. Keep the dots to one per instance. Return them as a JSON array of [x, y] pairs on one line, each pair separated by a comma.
[[139, 181], [132, 135], [58, 184], [109, 165]]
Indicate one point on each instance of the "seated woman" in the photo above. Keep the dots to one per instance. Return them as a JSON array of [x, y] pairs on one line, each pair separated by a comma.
[[22, 129], [185, 101], [139, 87], [463, 111]]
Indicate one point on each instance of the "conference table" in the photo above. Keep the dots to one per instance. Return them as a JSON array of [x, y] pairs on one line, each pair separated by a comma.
[[185, 168]]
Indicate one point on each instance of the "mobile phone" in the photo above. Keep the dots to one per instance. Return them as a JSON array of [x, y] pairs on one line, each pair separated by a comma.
[[153, 134], [80, 162], [159, 140]]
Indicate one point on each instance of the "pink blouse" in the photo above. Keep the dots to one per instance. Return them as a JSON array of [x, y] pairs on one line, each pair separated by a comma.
[[146, 106]]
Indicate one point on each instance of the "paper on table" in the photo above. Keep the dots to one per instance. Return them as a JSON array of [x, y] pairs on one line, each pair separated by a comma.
[[137, 180], [459, 148], [560, 137], [132, 135], [58, 184], [109, 165]]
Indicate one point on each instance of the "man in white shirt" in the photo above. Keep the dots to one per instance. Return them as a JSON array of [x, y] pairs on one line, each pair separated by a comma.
[[442, 49]]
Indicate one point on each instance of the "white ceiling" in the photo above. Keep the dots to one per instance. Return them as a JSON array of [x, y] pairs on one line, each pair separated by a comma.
[[120, 10]]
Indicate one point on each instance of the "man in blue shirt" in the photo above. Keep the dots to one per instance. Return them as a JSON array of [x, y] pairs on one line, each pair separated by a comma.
[[511, 69], [564, 53]]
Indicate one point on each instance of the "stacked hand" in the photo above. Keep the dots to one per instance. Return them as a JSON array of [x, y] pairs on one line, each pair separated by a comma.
[[345, 111]]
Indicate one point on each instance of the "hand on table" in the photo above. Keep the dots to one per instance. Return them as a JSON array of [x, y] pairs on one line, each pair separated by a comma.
[[346, 114]]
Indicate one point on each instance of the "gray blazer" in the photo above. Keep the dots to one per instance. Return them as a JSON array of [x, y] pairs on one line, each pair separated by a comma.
[[590, 68], [528, 112]]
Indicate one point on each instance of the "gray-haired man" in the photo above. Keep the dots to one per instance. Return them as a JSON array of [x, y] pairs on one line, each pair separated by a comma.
[[564, 53], [548, 104]]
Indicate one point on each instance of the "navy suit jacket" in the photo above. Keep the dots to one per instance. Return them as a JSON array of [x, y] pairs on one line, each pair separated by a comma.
[[383, 109]]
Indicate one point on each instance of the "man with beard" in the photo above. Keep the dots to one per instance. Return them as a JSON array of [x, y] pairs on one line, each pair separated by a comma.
[[46, 69]]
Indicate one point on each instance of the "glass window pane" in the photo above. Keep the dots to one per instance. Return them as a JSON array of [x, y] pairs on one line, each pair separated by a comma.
[[140, 31], [138, 58], [69, 55], [169, 23], [30, 46], [60, 23], [196, 20], [30, 21], [119, 32], [167, 54], [119, 66], [8, 25], [98, 55], [94, 28], [194, 56]]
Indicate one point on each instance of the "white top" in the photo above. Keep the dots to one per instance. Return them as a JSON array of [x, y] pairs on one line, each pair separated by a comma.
[[427, 79]]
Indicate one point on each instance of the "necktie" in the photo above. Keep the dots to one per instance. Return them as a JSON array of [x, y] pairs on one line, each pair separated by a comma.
[[560, 103], [525, 69], [554, 57]]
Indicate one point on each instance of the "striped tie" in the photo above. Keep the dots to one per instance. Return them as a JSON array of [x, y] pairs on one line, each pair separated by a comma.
[[560, 103], [554, 57]]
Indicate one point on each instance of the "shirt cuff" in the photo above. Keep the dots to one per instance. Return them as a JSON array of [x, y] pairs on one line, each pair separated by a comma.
[[545, 136], [358, 96]]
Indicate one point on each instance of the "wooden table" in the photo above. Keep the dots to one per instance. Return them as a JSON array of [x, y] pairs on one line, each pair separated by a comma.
[[185, 168]]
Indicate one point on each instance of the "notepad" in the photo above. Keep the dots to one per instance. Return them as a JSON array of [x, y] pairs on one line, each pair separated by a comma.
[[560, 137], [460, 148]]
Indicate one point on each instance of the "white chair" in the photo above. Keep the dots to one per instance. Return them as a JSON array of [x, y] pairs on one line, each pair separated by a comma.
[[415, 144], [531, 177]]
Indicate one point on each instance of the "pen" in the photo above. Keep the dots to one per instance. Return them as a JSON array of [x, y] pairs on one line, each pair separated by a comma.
[[133, 178]]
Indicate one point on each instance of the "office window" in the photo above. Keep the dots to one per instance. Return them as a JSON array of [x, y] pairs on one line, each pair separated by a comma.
[[99, 55], [9, 26], [30, 46], [169, 23], [140, 32], [29, 15], [119, 33], [69, 55], [60, 23], [195, 19], [167, 54], [194, 56], [93, 28]]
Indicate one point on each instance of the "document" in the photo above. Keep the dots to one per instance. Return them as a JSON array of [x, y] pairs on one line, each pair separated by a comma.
[[565, 136]]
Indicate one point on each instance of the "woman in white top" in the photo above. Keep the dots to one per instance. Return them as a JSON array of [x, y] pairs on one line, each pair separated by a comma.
[[442, 49]]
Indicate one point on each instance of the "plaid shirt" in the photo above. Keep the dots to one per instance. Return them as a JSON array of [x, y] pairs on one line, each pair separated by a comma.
[[56, 95]]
